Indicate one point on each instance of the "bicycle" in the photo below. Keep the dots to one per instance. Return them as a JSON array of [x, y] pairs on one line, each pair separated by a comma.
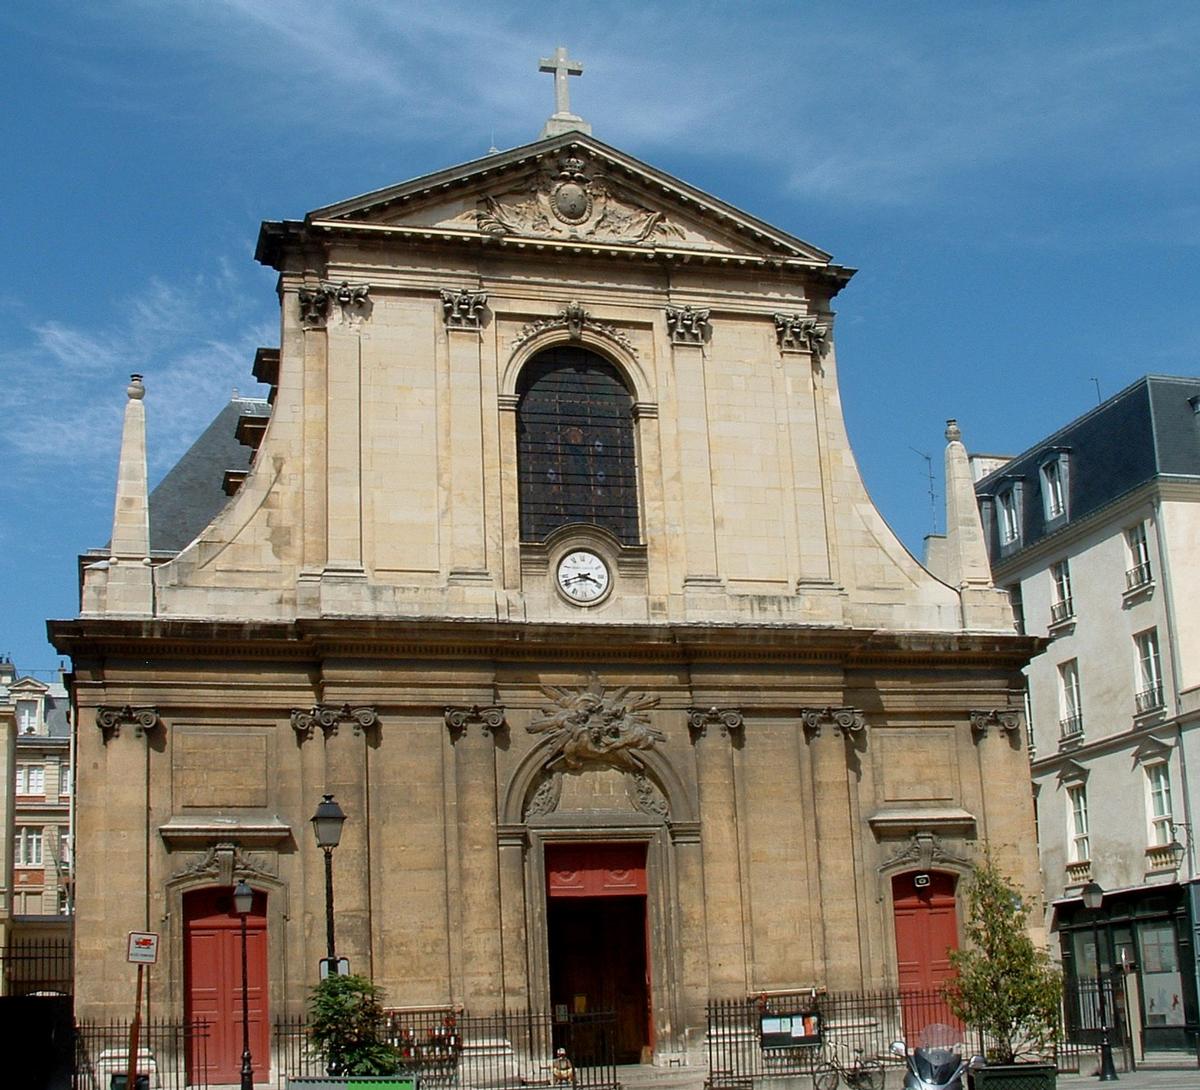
[[859, 1075]]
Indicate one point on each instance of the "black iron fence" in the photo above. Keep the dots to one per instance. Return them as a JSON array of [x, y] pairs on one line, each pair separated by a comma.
[[172, 1055], [448, 1049], [37, 966], [794, 1033]]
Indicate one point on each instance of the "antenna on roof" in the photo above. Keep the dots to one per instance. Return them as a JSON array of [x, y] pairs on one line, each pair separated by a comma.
[[492, 149], [1097, 382], [933, 508]]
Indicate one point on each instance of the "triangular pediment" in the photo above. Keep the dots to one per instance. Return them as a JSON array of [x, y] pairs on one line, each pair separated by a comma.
[[576, 190], [29, 685]]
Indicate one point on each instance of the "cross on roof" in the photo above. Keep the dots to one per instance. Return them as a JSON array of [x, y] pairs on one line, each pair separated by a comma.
[[562, 120]]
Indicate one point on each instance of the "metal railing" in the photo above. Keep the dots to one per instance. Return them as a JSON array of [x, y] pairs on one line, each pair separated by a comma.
[[1148, 699], [173, 1055], [1070, 727], [1139, 576], [1062, 610], [32, 966], [450, 1049]]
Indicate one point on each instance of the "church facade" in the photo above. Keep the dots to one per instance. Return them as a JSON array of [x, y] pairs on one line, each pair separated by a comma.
[[553, 565]]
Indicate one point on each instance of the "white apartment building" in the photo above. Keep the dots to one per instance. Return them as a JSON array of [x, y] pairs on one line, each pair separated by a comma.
[[1095, 532]]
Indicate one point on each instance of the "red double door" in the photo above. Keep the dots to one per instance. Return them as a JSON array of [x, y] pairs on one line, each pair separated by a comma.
[[213, 983], [926, 919]]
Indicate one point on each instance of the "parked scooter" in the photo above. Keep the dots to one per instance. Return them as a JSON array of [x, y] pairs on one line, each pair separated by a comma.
[[934, 1068]]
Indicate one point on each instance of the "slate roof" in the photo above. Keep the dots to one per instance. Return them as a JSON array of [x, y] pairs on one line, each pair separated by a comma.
[[1148, 430], [188, 498]]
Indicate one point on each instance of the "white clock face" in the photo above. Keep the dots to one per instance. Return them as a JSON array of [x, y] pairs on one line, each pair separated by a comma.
[[582, 576]]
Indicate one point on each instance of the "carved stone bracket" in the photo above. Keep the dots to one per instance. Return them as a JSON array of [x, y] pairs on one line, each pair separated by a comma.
[[329, 716], [109, 720], [574, 319], [224, 863], [922, 851], [489, 716], [729, 720], [688, 326], [316, 303], [845, 721], [463, 309], [1006, 721]]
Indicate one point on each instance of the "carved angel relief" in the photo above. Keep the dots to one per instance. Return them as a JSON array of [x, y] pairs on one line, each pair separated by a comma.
[[591, 725], [572, 200]]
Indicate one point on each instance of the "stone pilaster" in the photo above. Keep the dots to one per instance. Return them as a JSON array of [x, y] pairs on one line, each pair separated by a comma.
[[473, 731], [699, 523], [713, 731], [464, 449]]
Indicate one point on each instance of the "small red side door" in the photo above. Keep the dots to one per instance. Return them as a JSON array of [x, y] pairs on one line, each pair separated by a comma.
[[213, 984], [926, 919]]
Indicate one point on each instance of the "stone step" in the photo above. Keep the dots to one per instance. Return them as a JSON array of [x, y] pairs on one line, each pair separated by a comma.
[[653, 1077]]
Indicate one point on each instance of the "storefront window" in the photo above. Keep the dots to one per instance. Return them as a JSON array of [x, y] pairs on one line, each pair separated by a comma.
[[1162, 987]]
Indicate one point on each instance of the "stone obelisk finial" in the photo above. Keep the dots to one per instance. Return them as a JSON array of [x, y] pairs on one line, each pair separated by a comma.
[[562, 120], [966, 551], [129, 576]]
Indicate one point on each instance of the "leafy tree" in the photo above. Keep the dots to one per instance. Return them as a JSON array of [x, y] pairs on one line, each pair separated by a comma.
[[346, 1027], [1005, 986]]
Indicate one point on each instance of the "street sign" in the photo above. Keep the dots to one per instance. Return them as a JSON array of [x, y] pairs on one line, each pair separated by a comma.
[[143, 948]]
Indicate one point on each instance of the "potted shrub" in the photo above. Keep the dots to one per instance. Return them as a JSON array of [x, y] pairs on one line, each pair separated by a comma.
[[346, 1028], [1005, 986]]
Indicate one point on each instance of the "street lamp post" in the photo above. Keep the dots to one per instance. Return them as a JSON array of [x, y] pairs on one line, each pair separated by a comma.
[[1093, 898], [327, 827], [243, 901]]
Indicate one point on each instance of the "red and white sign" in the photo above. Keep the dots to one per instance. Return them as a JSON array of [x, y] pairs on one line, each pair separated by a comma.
[[143, 947]]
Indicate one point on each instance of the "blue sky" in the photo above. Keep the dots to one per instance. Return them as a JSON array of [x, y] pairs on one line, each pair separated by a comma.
[[1017, 182]]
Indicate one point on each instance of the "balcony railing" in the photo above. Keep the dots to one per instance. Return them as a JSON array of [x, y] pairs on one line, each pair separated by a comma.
[[1138, 576], [1062, 610], [1070, 728], [1149, 699]]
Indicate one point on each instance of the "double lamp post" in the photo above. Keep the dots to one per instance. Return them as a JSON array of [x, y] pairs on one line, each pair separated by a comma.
[[327, 826]]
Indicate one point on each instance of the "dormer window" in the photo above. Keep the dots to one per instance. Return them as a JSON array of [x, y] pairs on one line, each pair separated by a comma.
[[1053, 474], [1008, 515], [27, 716]]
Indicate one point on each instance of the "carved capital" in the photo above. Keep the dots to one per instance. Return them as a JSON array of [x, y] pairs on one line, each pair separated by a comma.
[[688, 326], [109, 720], [845, 721], [316, 303], [329, 717], [463, 309], [490, 717], [1008, 722], [801, 333], [728, 720]]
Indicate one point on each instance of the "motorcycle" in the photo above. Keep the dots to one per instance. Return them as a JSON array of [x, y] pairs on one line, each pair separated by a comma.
[[934, 1068]]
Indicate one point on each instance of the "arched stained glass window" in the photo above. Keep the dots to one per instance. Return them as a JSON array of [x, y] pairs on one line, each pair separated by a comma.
[[575, 445]]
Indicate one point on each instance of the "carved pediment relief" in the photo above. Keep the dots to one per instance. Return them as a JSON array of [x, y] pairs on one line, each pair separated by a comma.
[[594, 790]]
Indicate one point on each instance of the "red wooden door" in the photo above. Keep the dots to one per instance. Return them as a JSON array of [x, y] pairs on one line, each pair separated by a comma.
[[926, 919], [213, 982]]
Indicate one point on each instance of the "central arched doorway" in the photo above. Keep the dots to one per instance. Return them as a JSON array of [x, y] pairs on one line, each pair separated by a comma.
[[598, 939]]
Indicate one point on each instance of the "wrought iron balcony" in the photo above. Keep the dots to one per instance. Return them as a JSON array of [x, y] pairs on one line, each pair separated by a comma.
[[1070, 727], [1138, 576], [1149, 699], [1062, 610]]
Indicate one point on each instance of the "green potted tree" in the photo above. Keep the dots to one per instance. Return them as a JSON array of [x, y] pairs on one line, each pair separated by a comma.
[[346, 1029], [1006, 987]]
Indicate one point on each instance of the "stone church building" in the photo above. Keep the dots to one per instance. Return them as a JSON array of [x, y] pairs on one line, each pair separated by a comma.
[[553, 565]]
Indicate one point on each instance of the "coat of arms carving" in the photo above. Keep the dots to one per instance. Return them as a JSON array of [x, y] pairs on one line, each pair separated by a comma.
[[591, 725]]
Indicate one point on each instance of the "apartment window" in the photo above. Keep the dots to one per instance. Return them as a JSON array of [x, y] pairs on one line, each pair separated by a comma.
[[1148, 671], [1062, 607], [64, 779], [27, 716], [1077, 824], [1018, 607], [1158, 790], [1054, 493], [64, 847], [1070, 706], [27, 847], [31, 780], [1138, 573], [1009, 515]]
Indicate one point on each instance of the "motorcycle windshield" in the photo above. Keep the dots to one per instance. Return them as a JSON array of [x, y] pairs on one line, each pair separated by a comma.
[[936, 1065]]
